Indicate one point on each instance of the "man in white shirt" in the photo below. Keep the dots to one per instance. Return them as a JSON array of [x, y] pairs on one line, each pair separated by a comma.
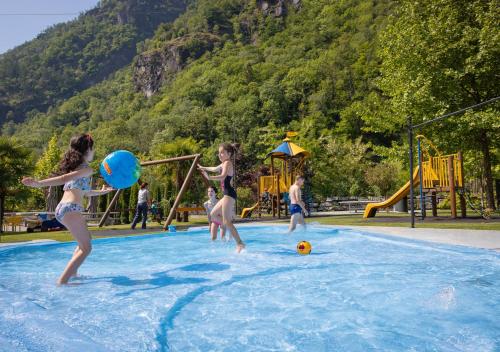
[[143, 203]]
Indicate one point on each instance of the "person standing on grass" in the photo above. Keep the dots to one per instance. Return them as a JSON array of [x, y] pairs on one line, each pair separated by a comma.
[[143, 203]]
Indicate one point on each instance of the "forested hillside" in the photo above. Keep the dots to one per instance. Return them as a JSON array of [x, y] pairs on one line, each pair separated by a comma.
[[70, 57], [344, 74]]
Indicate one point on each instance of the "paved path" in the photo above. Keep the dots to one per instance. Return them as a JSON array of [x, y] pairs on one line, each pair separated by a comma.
[[488, 239]]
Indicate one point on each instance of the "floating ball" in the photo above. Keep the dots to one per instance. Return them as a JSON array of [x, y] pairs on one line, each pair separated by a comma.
[[304, 248], [120, 169]]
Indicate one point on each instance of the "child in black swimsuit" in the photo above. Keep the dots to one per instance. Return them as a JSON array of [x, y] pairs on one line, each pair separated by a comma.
[[226, 168]]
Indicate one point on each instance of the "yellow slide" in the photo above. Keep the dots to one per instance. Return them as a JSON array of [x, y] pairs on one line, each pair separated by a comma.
[[371, 208], [246, 212]]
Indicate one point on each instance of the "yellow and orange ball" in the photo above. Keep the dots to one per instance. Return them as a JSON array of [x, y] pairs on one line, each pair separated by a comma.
[[304, 248]]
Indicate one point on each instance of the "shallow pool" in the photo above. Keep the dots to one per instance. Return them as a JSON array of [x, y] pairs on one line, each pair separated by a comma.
[[356, 291]]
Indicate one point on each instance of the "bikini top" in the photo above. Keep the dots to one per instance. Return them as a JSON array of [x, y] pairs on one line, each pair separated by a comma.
[[82, 183]]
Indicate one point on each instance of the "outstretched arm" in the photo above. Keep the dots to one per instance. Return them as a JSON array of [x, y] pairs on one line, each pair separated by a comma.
[[58, 180], [95, 192], [222, 176], [210, 168]]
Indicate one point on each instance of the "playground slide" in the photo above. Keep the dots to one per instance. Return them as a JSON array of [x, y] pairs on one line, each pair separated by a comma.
[[246, 212], [371, 208]]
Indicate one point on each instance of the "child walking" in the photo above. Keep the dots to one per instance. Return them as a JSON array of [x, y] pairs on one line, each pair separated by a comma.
[[297, 206]]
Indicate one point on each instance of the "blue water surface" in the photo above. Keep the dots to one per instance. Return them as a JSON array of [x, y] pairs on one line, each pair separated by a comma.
[[356, 291]]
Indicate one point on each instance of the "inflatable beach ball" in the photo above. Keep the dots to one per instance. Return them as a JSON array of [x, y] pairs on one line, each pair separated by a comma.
[[304, 247], [120, 169]]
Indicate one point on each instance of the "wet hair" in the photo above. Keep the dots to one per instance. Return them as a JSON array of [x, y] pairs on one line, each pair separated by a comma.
[[144, 185], [74, 156], [231, 148], [212, 187]]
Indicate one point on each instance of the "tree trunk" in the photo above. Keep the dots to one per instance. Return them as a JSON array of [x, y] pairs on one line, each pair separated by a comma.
[[2, 203], [52, 198], [485, 148]]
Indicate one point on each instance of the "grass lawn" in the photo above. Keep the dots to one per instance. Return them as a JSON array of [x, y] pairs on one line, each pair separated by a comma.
[[382, 219], [65, 236], [396, 220]]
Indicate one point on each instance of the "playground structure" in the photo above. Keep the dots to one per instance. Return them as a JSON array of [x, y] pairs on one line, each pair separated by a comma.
[[289, 159], [440, 173], [182, 190]]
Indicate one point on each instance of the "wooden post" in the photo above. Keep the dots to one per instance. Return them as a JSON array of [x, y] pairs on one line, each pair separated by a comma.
[[463, 204], [273, 206], [434, 204], [451, 178], [110, 206], [287, 165], [181, 192], [185, 216], [258, 197], [278, 201], [164, 161]]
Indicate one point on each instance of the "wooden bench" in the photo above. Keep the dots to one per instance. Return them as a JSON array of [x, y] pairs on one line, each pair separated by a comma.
[[93, 218], [185, 213], [13, 221]]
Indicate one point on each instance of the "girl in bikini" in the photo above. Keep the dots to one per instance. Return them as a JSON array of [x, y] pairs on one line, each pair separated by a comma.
[[226, 204], [74, 174]]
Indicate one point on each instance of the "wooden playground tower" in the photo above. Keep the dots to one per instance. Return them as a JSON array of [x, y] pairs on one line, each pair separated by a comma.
[[439, 173], [287, 161]]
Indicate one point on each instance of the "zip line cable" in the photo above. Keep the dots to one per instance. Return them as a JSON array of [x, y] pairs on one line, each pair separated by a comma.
[[455, 112]]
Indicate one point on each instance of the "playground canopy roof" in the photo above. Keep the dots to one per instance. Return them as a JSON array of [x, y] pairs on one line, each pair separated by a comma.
[[288, 149]]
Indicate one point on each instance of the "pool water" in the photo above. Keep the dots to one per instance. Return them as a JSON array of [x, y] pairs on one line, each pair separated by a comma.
[[356, 291]]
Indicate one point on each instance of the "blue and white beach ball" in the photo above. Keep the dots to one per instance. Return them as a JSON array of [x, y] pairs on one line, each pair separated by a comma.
[[120, 169]]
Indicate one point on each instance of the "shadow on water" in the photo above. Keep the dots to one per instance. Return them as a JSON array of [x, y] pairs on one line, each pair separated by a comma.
[[167, 323], [161, 279], [205, 267]]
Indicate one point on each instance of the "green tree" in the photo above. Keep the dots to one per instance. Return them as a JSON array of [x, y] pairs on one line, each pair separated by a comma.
[[134, 190], [384, 178], [124, 206], [45, 167], [440, 56], [15, 161]]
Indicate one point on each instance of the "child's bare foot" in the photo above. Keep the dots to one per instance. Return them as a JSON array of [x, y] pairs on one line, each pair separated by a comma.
[[239, 247]]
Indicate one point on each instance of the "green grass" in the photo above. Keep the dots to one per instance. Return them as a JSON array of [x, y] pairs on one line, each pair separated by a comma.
[[65, 236], [404, 221]]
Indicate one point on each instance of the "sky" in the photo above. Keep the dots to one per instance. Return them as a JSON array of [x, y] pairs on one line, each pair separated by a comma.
[[23, 20]]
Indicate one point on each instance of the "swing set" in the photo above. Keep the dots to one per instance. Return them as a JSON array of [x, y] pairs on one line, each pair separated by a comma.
[[175, 209]]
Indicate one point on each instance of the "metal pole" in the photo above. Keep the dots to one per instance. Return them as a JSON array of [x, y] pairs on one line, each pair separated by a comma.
[[410, 142], [420, 172], [451, 178]]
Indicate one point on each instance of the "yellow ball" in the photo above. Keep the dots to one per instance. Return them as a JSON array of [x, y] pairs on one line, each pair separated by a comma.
[[304, 248]]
